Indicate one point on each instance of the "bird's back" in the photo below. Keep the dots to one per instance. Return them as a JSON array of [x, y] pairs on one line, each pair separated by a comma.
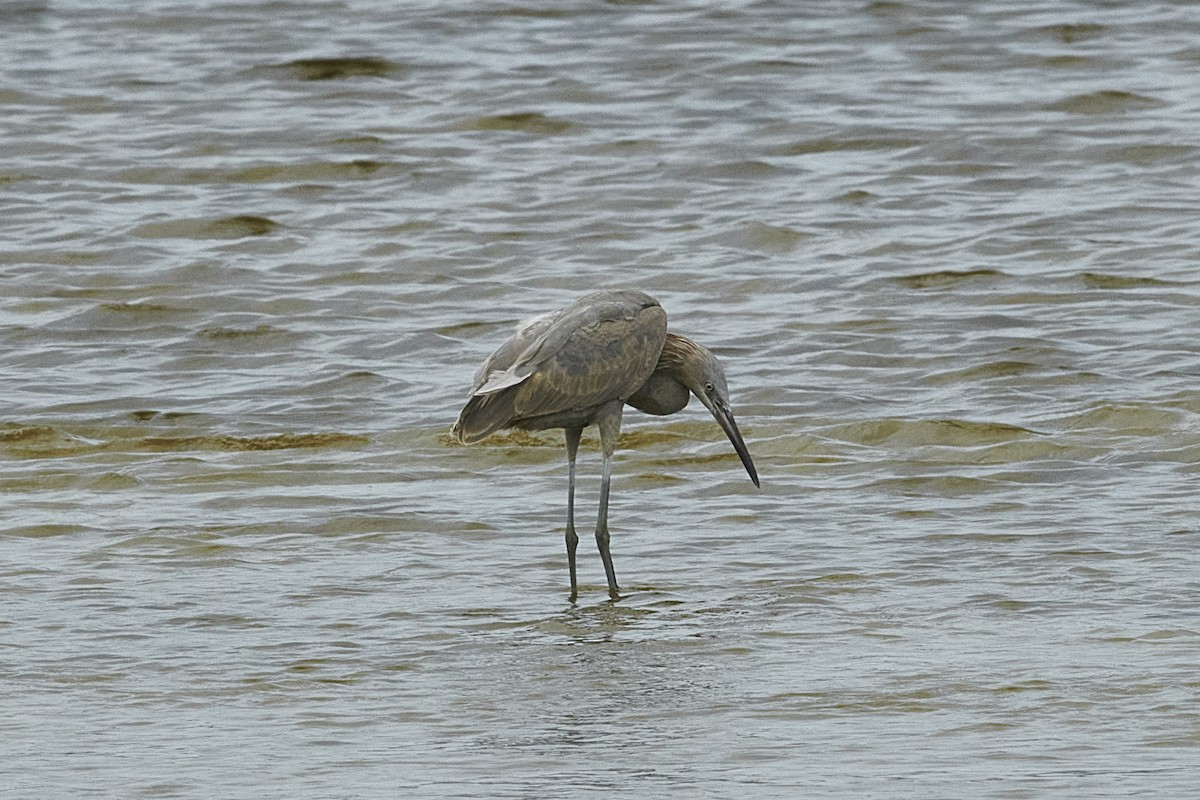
[[563, 365]]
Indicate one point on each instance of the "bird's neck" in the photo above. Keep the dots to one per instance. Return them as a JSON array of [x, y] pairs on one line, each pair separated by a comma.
[[676, 352]]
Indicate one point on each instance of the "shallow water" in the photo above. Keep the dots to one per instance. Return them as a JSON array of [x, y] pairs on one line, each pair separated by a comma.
[[251, 257]]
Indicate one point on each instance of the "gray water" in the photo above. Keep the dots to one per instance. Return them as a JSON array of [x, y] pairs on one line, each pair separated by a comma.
[[251, 255]]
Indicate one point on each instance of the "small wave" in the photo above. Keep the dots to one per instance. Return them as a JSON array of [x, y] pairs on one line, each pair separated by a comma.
[[934, 432], [1109, 101], [770, 238], [835, 145], [1131, 419]]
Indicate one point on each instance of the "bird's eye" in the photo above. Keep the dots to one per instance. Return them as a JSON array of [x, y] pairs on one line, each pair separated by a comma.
[[708, 388]]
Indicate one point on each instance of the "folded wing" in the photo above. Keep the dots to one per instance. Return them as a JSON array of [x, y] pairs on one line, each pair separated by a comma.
[[600, 348]]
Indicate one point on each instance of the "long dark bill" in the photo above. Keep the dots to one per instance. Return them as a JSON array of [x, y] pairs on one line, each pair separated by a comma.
[[724, 418]]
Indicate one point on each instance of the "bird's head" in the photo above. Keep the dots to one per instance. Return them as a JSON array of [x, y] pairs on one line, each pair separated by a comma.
[[700, 371]]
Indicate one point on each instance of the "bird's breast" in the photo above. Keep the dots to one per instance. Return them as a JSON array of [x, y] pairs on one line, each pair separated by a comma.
[[660, 395]]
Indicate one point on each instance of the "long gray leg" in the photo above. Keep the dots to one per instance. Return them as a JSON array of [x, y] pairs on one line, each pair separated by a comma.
[[572, 435], [609, 422]]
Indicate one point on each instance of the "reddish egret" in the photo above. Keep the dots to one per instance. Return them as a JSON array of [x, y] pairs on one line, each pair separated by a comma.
[[580, 366]]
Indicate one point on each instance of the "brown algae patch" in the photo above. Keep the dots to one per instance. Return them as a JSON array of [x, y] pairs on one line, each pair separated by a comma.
[[1096, 280], [522, 122], [1072, 33], [945, 279], [281, 441], [43, 441], [1109, 101], [329, 69], [16, 435], [240, 226]]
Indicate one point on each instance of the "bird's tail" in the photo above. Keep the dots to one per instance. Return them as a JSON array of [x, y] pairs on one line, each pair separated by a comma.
[[483, 415]]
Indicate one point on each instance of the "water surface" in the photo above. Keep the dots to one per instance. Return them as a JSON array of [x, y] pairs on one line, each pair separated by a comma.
[[252, 255]]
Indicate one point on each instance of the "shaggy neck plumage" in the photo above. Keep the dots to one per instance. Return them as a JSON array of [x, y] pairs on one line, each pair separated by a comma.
[[677, 351]]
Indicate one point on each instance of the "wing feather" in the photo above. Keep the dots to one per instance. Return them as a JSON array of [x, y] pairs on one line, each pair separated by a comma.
[[513, 362]]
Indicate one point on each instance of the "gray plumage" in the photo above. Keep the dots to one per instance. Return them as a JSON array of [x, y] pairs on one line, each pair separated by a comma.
[[580, 366]]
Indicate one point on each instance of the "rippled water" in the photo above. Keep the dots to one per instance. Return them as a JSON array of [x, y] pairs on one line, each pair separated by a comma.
[[252, 255]]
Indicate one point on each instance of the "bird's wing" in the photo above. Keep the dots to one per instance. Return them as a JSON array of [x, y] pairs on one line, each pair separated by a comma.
[[600, 348], [512, 362]]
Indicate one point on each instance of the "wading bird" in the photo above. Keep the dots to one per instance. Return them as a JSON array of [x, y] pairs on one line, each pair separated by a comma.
[[580, 366]]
